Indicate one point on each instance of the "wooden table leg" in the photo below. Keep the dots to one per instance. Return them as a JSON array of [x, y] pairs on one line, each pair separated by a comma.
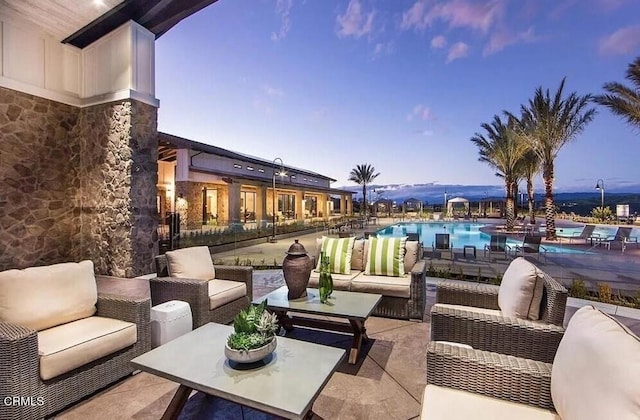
[[284, 320], [359, 335], [177, 403]]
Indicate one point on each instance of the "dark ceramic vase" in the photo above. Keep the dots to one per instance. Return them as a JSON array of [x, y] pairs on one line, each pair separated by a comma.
[[297, 268]]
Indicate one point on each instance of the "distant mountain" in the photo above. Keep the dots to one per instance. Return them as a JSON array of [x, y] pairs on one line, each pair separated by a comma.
[[434, 193]]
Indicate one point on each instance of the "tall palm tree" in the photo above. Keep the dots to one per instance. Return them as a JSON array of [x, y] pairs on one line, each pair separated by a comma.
[[502, 149], [551, 123], [624, 100], [363, 175], [528, 167]]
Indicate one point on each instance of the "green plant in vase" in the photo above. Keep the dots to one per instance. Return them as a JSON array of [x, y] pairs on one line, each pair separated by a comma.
[[325, 281], [253, 327]]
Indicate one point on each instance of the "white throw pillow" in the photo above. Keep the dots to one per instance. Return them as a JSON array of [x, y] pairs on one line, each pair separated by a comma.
[[191, 263], [518, 289], [596, 370]]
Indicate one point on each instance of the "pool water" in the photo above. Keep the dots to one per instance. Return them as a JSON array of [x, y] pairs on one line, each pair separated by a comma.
[[463, 233]]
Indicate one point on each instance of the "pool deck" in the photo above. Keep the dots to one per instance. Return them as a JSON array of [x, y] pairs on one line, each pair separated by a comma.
[[621, 271]]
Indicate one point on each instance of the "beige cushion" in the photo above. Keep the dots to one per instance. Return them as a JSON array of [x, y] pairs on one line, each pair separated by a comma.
[[518, 288], [191, 263], [222, 292], [340, 281], [441, 403], [358, 258], [411, 256], [69, 346], [596, 371], [43, 297], [383, 285], [485, 311]]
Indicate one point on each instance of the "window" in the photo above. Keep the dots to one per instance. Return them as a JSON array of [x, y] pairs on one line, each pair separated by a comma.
[[287, 206], [209, 206], [311, 206], [249, 168], [247, 206], [237, 166]]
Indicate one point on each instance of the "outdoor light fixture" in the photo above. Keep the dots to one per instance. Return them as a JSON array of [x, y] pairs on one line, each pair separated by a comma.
[[600, 186], [282, 173]]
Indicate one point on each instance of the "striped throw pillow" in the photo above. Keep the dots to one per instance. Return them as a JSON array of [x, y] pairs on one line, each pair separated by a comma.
[[339, 251], [386, 257]]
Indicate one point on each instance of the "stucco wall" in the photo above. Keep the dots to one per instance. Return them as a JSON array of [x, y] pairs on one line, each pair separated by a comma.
[[77, 184]]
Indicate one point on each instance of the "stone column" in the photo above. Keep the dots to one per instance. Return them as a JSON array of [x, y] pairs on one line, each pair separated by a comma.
[[343, 205], [299, 207], [118, 173], [349, 200], [261, 205], [233, 214]]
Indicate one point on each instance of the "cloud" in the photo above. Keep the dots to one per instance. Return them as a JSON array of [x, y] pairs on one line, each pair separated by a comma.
[[622, 41], [272, 91], [426, 133], [420, 112], [283, 9], [438, 42], [457, 50], [499, 40], [355, 21], [383, 48], [319, 113], [457, 13]]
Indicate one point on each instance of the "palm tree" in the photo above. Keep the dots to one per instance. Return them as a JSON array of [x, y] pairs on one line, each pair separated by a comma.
[[551, 123], [502, 149], [528, 167], [623, 100], [363, 175]]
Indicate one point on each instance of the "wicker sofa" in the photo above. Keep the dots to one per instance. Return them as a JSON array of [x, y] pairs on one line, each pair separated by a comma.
[[61, 341], [218, 301], [469, 313], [595, 375], [403, 297]]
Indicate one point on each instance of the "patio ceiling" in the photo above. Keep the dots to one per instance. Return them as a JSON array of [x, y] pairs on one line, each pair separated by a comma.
[[81, 22]]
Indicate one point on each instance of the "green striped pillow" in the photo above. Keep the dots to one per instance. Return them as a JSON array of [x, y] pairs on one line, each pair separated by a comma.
[[339, 251], [386, 257]]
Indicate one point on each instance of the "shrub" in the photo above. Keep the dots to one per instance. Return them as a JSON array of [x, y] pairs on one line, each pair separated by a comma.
[[578, 289], [604, 292]]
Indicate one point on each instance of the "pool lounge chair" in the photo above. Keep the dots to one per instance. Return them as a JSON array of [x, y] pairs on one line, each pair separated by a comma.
[[622, 236], [497, 245], [443, 243], [531, 245], [586, 235]]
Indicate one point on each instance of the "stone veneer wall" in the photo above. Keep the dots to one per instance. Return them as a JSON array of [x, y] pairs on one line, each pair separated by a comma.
[[38, 179], [118, 176], [77, 184]]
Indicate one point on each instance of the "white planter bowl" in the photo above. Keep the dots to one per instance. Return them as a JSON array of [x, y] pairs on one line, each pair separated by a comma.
[[250, 356]]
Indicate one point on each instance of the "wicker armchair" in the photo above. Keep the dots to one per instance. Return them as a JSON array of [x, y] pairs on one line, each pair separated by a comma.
[[195, 292], [491, 374], [595, 375], [20, 365], [535, 340]]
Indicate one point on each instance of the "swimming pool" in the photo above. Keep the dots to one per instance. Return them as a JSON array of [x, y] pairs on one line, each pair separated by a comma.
[[463, 233]]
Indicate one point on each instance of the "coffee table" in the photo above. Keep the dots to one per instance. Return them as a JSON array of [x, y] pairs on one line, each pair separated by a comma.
[[286, 383], [353, 306]]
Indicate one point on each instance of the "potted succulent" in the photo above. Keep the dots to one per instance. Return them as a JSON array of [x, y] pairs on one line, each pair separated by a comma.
[[254, 335]]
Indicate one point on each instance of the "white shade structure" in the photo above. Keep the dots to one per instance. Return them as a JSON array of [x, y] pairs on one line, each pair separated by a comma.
[[457, 201]]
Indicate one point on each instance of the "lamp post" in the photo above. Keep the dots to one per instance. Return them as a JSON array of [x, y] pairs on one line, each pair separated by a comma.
[[273, 201], [600, 186], [445, 204]]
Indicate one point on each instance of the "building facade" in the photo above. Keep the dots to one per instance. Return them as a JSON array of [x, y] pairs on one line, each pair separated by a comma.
[[212, 186]]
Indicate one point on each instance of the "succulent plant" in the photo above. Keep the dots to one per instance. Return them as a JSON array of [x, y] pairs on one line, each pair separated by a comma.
[[253, 327]]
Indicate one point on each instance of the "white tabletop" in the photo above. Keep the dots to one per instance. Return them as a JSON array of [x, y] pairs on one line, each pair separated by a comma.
[[285, 383]]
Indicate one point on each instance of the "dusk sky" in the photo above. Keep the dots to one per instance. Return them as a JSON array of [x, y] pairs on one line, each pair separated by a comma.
[[402, 85]]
